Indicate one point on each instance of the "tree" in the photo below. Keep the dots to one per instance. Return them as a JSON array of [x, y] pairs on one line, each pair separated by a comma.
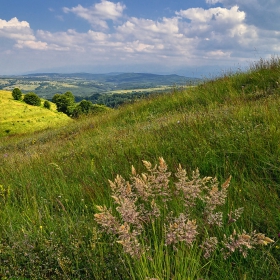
[[65, 103], [83, 108], [47, 104], [32, 98], [17, 94], [69, 95], [86, 107]]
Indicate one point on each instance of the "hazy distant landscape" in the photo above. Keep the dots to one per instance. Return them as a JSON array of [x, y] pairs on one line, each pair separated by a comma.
[[84, 85]]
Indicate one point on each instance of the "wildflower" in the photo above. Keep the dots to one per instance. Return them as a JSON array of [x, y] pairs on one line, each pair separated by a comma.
[[107, 220], [233, 216], [128, 239], [182, 229], [209, 246], [133, 170], [241, 242], [260, 238], [191, 188], [215, 219]]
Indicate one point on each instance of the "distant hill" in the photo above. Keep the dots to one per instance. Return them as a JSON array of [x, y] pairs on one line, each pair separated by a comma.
[[118, 78], [17, 117], [84, 85]]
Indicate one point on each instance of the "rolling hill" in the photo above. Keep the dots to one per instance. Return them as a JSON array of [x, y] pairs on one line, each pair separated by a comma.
[[86, 84], [60, 218], [17, 117]]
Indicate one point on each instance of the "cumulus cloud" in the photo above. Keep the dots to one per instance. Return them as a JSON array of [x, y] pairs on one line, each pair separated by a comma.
[[15, 29], [264, 14], [98, 14], [218, 15], [36, 45], [216, 32], [189, 37], [149, 27], [24, 37]]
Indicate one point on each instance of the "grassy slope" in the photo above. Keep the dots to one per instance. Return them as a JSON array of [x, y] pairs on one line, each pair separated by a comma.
[[227, 126], [18, 117]]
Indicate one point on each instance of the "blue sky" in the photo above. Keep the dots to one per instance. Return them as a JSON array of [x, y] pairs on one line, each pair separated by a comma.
[[193, 38]]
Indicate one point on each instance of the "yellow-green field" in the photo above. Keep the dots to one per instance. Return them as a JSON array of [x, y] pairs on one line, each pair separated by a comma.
[[17, 117], [141, 89]]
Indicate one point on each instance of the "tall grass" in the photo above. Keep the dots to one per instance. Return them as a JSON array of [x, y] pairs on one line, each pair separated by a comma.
[[52, 181]]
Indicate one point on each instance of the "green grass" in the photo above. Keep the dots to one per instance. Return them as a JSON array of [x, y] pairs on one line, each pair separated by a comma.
[[17, 117], [53, 179]]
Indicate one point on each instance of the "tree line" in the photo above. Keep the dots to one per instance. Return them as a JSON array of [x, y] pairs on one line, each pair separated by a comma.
[[65, 103]]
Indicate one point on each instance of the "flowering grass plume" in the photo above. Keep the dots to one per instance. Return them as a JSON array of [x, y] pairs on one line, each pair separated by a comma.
[[147, 198]]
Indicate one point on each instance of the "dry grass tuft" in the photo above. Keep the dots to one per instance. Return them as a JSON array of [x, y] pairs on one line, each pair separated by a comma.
[[146, 198]]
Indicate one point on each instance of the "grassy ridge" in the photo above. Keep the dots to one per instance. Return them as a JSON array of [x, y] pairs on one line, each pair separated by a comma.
[[50, 186], [18, 117]]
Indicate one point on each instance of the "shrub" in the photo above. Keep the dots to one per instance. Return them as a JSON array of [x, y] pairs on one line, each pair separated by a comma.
[[47, 104], [17, 94], [86, 107], [64, 102], [32, 98]]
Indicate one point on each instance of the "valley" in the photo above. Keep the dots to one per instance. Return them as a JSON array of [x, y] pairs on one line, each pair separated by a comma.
[[83, 85]]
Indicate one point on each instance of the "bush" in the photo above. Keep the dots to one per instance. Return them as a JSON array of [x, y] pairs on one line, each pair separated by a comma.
[[17, 94], [83, 108], [86, 107], [32, 98], [47, 104], [65, 103]]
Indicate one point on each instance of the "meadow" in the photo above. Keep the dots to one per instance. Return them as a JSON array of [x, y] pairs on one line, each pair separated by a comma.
[[200, 202], [18, 117]]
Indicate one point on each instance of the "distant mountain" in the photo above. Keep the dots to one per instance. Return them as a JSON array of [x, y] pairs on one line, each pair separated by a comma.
[[117, 78]]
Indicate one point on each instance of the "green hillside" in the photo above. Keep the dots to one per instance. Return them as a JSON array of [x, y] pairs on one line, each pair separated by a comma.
[[60, 218], [18, 117]]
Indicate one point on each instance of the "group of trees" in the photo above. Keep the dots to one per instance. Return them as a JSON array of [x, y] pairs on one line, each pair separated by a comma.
[[114, 100], [65, 103], [30, 98]]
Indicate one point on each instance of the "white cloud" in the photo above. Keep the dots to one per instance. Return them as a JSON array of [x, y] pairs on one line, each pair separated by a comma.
[[98, 14], [214, 15], [15, 29], [21, 33], [192, 37], [264, 14], [35, 45], [146, 27], [213, 2]]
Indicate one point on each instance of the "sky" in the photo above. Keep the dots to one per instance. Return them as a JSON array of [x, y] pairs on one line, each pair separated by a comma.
[[187, 37]]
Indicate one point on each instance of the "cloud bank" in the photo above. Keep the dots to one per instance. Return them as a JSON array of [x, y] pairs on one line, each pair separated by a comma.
[[192, 37]]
